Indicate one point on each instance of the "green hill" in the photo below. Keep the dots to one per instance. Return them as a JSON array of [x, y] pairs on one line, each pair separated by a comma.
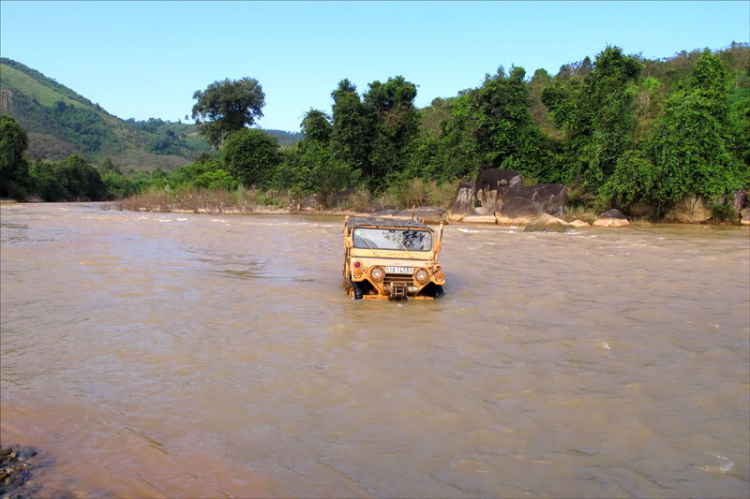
[[59, 122]]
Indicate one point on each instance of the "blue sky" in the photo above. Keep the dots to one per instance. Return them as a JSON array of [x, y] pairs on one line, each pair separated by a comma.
[[145, 59]]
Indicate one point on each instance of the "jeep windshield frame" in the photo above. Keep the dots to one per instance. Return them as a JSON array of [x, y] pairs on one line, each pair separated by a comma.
[[393, 239]]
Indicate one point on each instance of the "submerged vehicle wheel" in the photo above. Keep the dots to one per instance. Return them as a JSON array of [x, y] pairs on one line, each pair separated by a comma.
[[357, 289], [438, 291]]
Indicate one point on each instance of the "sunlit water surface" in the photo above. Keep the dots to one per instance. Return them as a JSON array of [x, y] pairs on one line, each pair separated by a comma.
[[200, 355]]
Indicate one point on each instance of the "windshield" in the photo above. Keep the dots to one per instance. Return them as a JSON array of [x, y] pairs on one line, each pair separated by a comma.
[[393, 239]]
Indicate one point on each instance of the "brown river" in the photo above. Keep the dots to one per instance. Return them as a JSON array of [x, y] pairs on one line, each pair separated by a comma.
[[150, 355]]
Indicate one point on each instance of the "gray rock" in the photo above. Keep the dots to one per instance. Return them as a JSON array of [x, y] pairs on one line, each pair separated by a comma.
[[738, 199], [462, 203], [690, 209], [525, 204], [611, 218], [616, 214], [490, 180]]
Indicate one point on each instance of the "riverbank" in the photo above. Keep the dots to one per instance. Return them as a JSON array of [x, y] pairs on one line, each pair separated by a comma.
[[574, 217]]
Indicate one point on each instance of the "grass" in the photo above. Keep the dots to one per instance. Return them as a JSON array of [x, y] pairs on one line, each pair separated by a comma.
[[16, 81], [579, 213], [196, 200], [418, 192]]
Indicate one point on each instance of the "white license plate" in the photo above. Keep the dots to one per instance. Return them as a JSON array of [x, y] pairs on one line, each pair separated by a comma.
[[399, 270]]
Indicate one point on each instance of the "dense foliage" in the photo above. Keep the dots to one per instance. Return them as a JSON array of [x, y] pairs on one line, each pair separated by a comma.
[[228, 106], [618, 130]]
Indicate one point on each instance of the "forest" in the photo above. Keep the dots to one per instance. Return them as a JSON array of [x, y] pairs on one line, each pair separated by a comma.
[[617, 130]]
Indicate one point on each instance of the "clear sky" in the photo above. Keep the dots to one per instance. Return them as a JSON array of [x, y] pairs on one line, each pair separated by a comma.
[[145, 59]]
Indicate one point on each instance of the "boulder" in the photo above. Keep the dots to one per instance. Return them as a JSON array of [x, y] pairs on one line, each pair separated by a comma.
[[690, 209], [737, 200], [523, 205], [611, 218], [547, 223], [579, 223], [462, 203], [430, 214], [34, 198], [492, 179], [745, 216]]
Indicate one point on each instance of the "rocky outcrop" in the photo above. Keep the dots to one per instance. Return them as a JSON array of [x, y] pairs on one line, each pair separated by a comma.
[[611, 218], [579, 224], [490, 180], [745, 216], [737, 200], [690, 209], [430, 214], [523, 205], [462, 203]]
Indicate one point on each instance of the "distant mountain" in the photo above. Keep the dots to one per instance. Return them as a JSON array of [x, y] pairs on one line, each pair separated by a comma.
[[60, 121], [286, 139]]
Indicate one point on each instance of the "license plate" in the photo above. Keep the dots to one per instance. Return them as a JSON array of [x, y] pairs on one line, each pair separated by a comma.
[[399, 270]]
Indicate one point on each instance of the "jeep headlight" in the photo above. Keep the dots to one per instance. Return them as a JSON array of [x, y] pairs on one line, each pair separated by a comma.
[[422, 275], [377, 273]]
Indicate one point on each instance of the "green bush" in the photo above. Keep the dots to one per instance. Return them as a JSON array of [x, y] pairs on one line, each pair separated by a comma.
[[722, 212]]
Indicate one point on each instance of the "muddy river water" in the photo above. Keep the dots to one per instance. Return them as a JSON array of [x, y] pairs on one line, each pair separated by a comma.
[[152, 354]]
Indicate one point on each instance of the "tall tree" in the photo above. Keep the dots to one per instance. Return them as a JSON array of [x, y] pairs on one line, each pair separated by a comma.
[[395, 126], [505, 132], [352, 135], [227, 106], [597, 116], [691, 148], [251, 156], [14, 169], [317, 127]]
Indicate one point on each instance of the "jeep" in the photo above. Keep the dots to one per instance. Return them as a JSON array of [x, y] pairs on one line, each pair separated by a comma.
[[392, 259]]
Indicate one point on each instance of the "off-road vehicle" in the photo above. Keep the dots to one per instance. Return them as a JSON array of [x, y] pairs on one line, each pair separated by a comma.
[[392, 259]]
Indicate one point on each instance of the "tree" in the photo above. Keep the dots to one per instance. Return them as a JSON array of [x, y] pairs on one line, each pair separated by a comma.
[[597, 116], [395, 125], [14, 169], [505, 131], [108, 166], [227, 106], [613, 120], [317, 127], [80, 179], [352, 135], [251, 156], [691, 147]]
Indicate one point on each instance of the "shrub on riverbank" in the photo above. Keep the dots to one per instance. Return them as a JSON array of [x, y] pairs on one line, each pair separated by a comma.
[[200, 200]]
